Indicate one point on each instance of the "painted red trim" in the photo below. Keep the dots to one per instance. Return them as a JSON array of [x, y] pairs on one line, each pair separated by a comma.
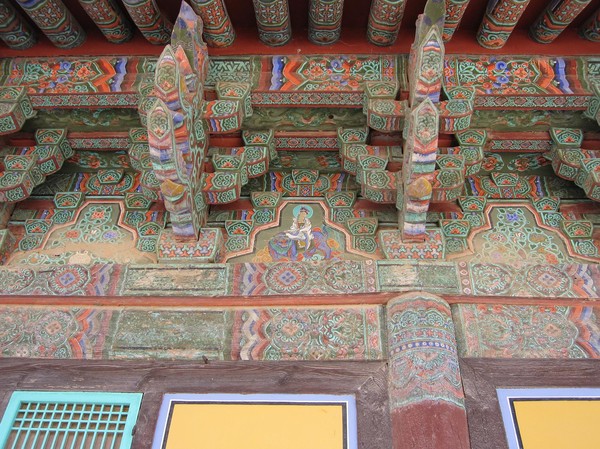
[[353, 41], [222, 302]]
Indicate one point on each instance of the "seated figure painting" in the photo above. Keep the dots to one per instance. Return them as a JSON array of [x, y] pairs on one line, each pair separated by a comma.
[[301, 228], [305, 238]]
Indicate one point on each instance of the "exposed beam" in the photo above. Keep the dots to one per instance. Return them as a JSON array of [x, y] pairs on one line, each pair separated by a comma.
[[155, 27], [385, 18], [555, 18], [591, 28], [110, 19], [273, 21], [14, 30], [499, 21], [55, 21], [325, 21], [455, 10], [218, 29]]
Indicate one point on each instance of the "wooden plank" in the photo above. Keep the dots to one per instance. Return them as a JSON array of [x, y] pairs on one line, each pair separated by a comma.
[[222, 302], [481, 377], [367, 381]]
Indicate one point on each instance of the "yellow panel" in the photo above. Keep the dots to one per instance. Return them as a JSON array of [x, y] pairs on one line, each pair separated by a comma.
[[256, 426], [556, 424]]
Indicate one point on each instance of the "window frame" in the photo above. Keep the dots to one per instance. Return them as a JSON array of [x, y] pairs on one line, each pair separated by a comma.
[[367, 381], [18, 397], [483, 377]]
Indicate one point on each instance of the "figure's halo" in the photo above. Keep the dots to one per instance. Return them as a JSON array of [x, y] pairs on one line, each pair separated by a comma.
[[309, 210]]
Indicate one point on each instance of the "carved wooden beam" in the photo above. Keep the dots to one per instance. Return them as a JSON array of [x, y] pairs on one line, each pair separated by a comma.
[[499, 21], [325, 21], [555, 18], [14, 31], [273, 21], [55, 21], [110, 19], [384, 21]]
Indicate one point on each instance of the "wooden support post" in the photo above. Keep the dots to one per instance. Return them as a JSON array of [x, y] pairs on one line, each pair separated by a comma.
[[425, 387], [422, 130]]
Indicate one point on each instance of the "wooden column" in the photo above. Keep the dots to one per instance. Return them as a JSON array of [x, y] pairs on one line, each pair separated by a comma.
[[109, 17], [218, 30], [499, 21], [454, 14], [557, 16], [425, 388], [15, 32], [273, 21], [385, 18], [155, 27], [325, 21], [591, 28], [55, 21]]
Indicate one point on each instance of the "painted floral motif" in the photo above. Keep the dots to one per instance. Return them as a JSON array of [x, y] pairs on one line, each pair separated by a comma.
[[517, 76], [68, 279], [517, 331], [287, 277], [515, 239], [493, 162], [520, 163], [492, 279], [93, 159], [328, 277], [68, 75], [59, 334], [305, 334], [96, 224], [322, 73], [528, 162]]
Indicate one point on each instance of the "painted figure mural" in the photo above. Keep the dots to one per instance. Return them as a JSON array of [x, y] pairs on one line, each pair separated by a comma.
[[301, 228], [303, 239]]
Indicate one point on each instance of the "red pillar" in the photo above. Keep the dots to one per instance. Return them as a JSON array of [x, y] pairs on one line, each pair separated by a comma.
[[426, 394]]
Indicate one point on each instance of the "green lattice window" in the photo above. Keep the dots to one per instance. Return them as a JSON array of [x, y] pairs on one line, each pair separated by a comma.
[[69, 420]]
